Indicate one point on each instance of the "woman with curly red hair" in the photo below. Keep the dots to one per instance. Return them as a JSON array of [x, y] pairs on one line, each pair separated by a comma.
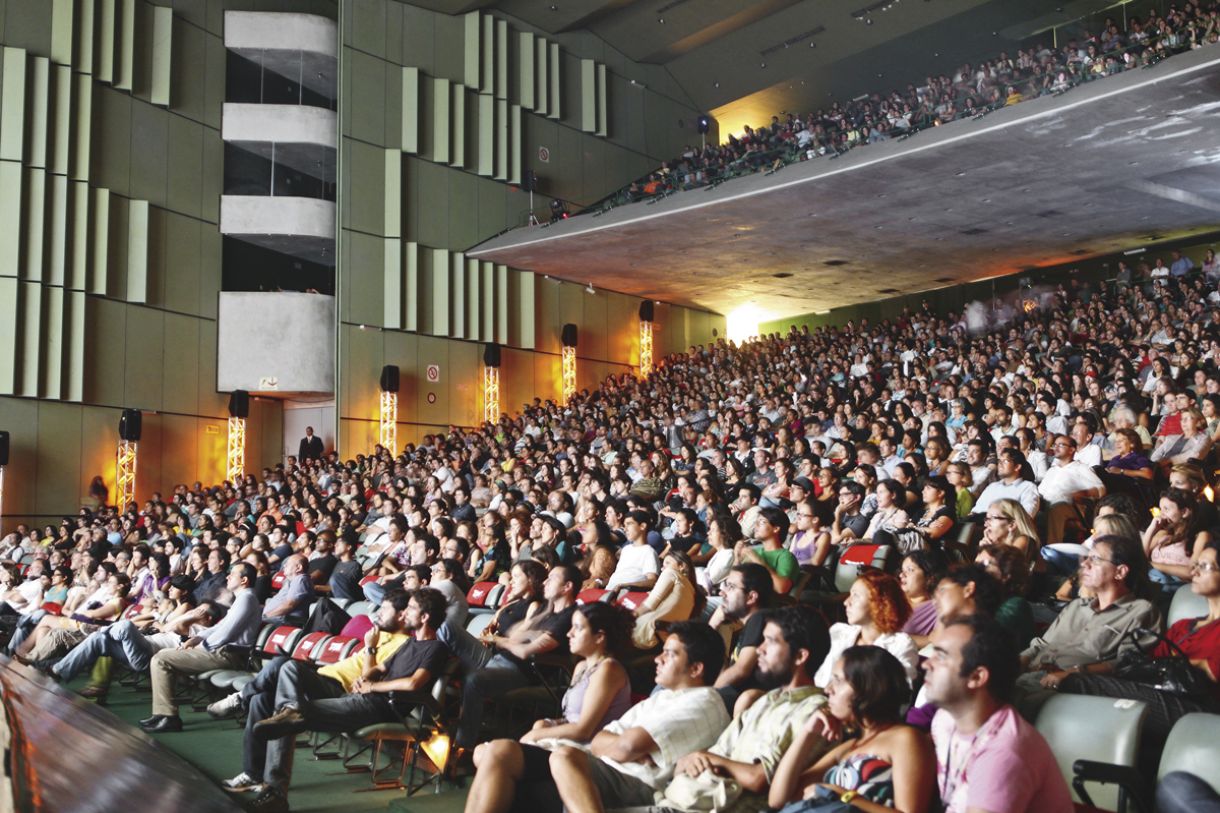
[[876, 610]]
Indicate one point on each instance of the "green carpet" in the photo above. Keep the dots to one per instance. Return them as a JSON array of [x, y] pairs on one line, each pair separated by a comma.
[[214, 747]]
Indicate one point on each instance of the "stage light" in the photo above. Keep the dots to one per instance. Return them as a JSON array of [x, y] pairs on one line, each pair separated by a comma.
[[125, 473], [436, 748], [387, 423], [235, 465], [491, 382], [646, 317], [568, 359]]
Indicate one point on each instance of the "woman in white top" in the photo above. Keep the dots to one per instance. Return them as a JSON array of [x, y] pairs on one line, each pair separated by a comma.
[[876, 611], [722, 534], [891, 496]]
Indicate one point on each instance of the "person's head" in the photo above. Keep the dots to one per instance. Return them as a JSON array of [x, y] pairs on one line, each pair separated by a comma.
[[772, 524], [868, 687], [693, 655], [526, 579], [562, 583], [876, 598], [959, 475], [973, 659], [1115, 564], [851, 495], [1205, 571], [890, 493], [1178, 507], [636, 525], [938, 492], [392, 610], [425, 611], [1186, 476], [920, 571], [746, 589], [967, 589], [1063, 448], [599, 629], [794, 641], [1007, 564], [241, 576], [1006, 520]]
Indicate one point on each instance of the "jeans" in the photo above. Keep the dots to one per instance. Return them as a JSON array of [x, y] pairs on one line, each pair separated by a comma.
[[122, 641], [488, 675], [281, 682], [25, 625], [1181, 792]]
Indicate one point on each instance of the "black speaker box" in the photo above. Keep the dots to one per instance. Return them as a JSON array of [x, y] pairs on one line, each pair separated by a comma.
[[491, 354], [569, 335], [129, 424], [3, 448], [389, 378], [647, 311], [239, 404]]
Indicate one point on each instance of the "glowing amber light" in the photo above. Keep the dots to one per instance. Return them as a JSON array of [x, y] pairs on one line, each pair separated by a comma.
[[125, 468], [387, 434], [436, 749], [491, 394], [645, 349], [1211, 495], [569, 373], [235, 457]]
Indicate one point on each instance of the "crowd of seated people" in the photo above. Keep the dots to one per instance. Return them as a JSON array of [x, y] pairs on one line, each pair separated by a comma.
[[971, 90], [1032, 496]]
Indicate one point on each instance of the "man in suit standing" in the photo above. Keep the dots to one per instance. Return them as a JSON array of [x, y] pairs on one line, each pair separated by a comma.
[[311, 446]]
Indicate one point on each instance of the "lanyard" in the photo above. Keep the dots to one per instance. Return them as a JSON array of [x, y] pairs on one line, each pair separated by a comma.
[[981, 738]]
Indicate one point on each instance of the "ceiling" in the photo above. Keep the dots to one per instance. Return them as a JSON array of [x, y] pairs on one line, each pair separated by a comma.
[[745, 60], [1110, 165]]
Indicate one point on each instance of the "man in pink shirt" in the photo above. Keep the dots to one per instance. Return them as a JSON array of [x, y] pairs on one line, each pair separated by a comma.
[[989, 760]]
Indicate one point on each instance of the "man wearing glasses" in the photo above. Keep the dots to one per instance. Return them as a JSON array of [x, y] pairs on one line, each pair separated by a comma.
[[1090, 634], [1067, 482]]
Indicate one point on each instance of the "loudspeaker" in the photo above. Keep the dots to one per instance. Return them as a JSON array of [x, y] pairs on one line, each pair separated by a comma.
[[239, 404], [129, 424], [569, 335], [3, 448], [704, 123], [389, 378], [491, 354], [530, 182], [646, 311]]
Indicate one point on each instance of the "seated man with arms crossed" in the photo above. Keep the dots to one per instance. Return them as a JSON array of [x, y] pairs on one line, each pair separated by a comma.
[[375, 697]]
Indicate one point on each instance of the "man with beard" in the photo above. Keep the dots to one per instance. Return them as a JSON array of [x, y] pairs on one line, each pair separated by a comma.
[[746, 593], [746, 754]]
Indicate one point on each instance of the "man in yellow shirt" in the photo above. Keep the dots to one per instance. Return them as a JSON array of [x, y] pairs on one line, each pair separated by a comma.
[[310, 683]]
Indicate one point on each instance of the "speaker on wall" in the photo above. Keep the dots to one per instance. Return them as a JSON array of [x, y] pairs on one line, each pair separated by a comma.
[[569, 335], [491, 354], [530, 182], [129, 424], [647, 311], [389, 378], [3, 448], [239, 404]]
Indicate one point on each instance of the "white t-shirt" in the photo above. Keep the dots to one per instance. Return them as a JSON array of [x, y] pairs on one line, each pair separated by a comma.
[[679, 722], [634, 563]]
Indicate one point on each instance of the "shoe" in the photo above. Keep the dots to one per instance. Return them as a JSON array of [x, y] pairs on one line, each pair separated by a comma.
[[147, 721], [225, 707], [287, 720], [271, 800], [98, 692], [165, 725], [242, 783]]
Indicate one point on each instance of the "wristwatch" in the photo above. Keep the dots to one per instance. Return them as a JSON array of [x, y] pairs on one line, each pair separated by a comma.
[[848, 796]]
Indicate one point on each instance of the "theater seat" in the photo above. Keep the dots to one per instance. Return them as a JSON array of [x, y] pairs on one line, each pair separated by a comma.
[[310, 645], [856, 557], [592, 596], [484, 597], [1186, 604], [631, 599], [1098, 729]]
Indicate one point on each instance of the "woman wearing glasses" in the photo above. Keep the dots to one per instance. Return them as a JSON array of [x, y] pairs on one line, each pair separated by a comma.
[[1197, 638], [1007, 523]]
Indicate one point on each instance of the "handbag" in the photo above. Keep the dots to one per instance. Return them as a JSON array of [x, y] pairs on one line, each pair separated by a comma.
[[1174, 674]]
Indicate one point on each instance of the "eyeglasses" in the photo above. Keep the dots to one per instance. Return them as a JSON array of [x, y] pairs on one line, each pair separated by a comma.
[[1205, 567], [1093, 559], [997, 518]]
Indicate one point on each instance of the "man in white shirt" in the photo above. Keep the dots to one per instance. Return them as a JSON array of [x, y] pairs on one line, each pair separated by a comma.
[[1066, 482], [1010, 485], [638, 566], [634, 756]]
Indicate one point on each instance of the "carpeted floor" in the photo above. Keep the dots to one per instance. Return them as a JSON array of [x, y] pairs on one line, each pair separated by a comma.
[[214, 747]]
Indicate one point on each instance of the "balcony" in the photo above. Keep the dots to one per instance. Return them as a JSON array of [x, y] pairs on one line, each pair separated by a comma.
[[293, 334], [299, 227], [294, 136]]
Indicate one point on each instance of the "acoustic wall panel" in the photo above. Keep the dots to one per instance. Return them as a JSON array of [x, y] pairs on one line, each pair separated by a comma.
[[52, 342], [554, 70], [58, 206], [393, 193], [457, 295], [81, 152], [474, 300], [473, 51], [62, 90], [411, 299], [502, 334], [392, 275], [162, 54], [11, 183], [487, 135], [487, 308], [542, 74], [501, 62], [487, 55], [125, 47], [78, 238], [514, 144], [107, 27], [76, 330], [435, 299], [63, 13], [38, 111], [30, 321], [12, 106], [34, 215], [501, 159], [457, 151], [588, 95], [441, 100], [602, 107], [99, 266], [137, 251], [525, 70], [8, 335], [521, 308], [84, 40], [410, 110]]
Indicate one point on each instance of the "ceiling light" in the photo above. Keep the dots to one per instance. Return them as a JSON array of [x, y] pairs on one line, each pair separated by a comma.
[[763, 65], [661, 20], [715, 84]]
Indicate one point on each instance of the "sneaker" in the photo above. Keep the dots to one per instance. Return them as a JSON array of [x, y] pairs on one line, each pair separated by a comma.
[[242, 783], [287, 720], [225, 707], [271, 800]]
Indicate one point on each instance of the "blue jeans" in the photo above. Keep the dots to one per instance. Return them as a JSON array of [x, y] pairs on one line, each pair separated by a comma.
[[122, 641], [1181, 792], [488, 675]]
